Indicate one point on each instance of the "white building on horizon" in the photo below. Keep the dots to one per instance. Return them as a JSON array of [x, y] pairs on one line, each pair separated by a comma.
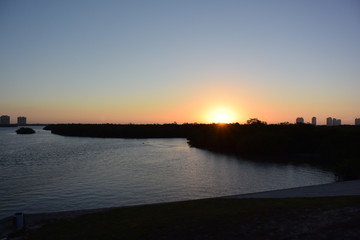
[[313, 121], [336, 122], [299, 120], [333, 122], [357, 121], [21, 121], [329, 121], [5, 120]]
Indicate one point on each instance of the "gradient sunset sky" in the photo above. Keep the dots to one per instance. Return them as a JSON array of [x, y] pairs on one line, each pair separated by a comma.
[[74, 61]]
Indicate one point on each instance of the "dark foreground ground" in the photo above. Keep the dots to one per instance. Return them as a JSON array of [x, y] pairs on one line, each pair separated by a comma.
[[221, 218]]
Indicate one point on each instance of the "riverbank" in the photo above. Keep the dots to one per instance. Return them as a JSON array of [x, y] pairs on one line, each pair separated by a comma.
[[331, 217]]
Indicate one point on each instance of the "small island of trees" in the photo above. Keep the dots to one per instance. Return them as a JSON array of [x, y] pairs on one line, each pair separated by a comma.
[[25, 130]]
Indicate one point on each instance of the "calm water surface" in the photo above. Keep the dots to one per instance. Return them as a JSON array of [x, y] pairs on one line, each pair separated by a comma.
[[45, 173]]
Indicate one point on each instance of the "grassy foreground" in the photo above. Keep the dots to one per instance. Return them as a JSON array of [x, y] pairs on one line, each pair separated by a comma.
[[220, 218]]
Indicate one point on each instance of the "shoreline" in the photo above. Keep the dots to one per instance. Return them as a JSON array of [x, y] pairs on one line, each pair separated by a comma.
[[337, 189]]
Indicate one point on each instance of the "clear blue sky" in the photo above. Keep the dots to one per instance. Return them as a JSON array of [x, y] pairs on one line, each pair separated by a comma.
[[164, 61]]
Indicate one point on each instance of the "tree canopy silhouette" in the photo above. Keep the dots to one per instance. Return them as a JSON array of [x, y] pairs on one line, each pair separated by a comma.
[[255, 121]]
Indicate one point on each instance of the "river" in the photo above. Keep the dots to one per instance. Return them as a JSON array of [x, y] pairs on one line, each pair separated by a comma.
[[44, 172]]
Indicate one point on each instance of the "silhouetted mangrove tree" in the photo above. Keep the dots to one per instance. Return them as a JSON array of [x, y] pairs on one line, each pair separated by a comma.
[[25, 130]]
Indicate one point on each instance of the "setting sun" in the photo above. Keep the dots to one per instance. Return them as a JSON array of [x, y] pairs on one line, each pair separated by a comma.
[[222, 115]]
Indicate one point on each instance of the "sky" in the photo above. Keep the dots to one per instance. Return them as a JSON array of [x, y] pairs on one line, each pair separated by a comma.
[[138, 61]]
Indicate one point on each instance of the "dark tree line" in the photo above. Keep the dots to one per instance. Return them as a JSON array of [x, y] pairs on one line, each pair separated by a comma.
[[123, 130]]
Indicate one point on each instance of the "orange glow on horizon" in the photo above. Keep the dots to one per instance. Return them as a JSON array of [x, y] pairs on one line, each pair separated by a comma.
[[222, 115]]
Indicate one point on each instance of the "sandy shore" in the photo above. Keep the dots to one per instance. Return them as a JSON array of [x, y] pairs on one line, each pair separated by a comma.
[[346, 188]]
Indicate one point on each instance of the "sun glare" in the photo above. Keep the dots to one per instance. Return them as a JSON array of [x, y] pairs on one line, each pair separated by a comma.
[[221, 116]]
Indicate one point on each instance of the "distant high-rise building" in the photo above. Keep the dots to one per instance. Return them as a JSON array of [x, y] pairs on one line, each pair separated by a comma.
[[313, 121], [357, 121], [5, 120], [333, 122], [329, 121], [336, 122], [21, 121], [299, 120]]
